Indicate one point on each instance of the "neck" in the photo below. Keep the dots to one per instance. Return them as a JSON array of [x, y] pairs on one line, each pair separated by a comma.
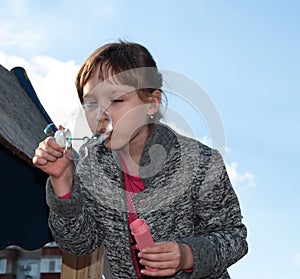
[[131, 153]]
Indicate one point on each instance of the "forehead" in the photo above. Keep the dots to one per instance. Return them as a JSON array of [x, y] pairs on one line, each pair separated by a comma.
[[98, 88], [104, 81]]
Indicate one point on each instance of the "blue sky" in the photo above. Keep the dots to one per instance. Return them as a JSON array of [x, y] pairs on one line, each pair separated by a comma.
[[245, 54]]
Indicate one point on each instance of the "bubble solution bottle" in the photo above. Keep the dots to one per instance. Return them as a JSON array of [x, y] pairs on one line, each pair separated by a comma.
[[142, 235]]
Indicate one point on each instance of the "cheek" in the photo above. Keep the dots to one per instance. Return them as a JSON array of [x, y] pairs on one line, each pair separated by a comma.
[[93, 123], [130, 121]]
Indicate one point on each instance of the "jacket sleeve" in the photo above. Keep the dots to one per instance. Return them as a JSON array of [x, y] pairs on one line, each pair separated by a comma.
[[73, 221], [220, 235]]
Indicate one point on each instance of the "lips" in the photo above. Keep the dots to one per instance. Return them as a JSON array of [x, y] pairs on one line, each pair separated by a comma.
[[104, 128]]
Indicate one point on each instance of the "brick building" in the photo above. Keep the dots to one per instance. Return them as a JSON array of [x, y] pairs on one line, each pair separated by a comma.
[[43, 263]]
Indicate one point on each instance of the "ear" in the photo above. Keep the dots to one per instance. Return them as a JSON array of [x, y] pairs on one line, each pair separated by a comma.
[[154, 103]]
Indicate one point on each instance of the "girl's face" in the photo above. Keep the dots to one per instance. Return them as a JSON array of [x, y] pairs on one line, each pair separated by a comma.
[[128, 112]]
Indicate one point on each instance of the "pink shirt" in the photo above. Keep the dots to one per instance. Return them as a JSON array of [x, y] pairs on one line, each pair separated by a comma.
[[133, 185]]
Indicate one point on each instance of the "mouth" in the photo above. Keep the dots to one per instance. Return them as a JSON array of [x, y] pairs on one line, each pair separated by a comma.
[[104, 129]]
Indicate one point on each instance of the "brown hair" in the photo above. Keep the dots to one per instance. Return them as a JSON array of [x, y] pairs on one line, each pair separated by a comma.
[[132, 59]]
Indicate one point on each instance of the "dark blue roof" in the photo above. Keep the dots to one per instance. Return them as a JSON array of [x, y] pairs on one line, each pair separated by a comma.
[[24, 81], [23, 208]]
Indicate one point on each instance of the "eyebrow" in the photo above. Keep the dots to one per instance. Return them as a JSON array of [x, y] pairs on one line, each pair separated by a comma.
[[113, 90]]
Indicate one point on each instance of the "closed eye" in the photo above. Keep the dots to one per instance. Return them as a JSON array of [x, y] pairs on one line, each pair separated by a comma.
[[117, 101], [90, 105]]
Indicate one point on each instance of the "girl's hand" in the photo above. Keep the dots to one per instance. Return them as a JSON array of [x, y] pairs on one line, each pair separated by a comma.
[[167, 257], [51, 158]]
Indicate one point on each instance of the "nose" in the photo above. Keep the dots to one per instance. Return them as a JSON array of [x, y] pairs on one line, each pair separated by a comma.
[[104, 120], [102, 113]]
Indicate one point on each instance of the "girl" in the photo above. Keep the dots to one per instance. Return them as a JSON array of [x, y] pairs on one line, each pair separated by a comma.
[[145, 170]]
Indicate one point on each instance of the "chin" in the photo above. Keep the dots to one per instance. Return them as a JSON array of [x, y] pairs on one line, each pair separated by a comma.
[[114, 145]]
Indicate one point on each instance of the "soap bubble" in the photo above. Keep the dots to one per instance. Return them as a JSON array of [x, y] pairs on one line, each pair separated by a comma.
[[78, 139], [62, 138], [103, 127]]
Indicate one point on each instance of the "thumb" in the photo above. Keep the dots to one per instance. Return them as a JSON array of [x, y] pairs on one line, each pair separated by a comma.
[[69, 153]]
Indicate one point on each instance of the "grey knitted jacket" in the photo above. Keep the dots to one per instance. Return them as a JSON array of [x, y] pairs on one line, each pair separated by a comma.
[[187, 198]]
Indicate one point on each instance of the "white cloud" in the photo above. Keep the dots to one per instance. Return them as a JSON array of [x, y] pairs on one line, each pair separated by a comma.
[[53, 81], [240, 180], [10, 61]]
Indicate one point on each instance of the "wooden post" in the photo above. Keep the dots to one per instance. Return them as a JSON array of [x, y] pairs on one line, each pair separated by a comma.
[[85, 267]]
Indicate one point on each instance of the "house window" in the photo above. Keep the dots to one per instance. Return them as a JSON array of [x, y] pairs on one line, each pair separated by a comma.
[[51, 265], [3, 263]]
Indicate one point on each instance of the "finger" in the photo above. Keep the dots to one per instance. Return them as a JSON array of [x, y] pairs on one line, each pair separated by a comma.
[[161, 247], [39, 161], [158, 264], [158, 257], [48, 154], [69, 154], [51, 142], [162, 252], [50, 146], [158, 272]]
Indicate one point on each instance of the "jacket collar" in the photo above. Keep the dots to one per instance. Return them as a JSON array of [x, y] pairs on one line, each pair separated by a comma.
[[158, 146], [156, 152]]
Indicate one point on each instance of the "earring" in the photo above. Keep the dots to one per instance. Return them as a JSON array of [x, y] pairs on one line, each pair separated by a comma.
[[151, 116]]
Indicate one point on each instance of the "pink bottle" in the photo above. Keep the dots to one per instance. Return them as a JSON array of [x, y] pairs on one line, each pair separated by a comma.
[[142, 235]]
